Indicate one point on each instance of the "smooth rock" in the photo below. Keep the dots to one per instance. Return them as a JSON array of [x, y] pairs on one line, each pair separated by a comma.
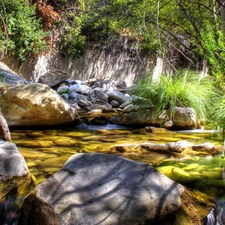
[[35, 105], [107, 189], [53, 77], [118, 96]]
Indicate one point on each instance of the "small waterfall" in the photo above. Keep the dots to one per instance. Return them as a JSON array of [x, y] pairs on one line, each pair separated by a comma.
[[215, 216]]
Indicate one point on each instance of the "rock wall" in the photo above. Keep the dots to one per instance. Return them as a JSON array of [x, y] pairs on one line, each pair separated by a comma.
[[118, 60]]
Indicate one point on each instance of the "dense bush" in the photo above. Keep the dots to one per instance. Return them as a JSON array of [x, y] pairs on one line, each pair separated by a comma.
[[180, 89], [20, 31]]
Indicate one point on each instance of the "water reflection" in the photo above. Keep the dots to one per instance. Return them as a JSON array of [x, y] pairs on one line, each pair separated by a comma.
[[46, 150]]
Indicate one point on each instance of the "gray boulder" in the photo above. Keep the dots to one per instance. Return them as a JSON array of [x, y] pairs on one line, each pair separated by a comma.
[[14, 173], [74, 88], [108, 189], [53, 78], [185, 118], [130, 108], [80, 88], [12, 162], [84, 102], [118, 96], [85, 89], [125, 104], [98, 94], [114, 104]]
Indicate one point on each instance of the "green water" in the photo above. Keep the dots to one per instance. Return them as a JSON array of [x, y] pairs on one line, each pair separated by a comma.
[[46, 150]]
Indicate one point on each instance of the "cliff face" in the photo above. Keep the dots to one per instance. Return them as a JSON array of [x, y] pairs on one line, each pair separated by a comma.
[[120, 60], [117, 58]]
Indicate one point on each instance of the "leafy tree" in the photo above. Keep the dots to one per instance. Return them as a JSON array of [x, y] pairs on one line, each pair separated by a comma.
[[20, 31], [183, 32]]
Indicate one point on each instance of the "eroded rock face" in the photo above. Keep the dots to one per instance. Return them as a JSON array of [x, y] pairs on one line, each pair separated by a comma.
[[108, 189], [35, 105]]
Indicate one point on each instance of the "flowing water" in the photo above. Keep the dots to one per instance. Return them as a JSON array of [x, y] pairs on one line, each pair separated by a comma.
[[46, 150]]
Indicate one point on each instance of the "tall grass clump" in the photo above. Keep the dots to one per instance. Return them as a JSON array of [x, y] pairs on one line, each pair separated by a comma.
[[218, 112], [183, 89]]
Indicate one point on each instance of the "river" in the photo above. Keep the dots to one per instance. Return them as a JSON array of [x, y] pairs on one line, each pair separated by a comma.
[[46, 150]]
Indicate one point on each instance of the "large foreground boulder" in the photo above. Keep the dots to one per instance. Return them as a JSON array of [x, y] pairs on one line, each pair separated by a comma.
[[108, 189], [35, 105]]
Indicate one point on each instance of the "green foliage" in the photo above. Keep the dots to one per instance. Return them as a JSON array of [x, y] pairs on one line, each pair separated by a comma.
[[159, 28], [214, 49], [21, 34], [74, 42], [218, 111], [181, 89]]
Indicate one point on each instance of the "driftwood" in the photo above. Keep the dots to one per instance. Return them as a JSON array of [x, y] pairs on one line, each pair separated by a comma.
[[4, 129], [92, 81]]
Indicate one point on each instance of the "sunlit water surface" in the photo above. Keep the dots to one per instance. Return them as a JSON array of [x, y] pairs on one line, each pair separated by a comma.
[[46, 150]]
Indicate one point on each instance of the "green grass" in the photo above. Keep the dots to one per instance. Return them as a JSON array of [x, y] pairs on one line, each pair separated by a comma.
[[183, 89]]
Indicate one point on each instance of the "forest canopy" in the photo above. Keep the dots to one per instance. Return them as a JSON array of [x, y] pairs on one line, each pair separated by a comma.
[[183, 32]]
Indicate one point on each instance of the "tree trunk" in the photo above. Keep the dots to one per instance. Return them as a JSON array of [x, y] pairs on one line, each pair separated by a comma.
[[158, 69], [222, 14]]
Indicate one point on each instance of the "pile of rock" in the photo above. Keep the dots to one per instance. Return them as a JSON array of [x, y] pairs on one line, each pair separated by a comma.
[[96, 101], [94, 98], [103, 96], [110, 96]]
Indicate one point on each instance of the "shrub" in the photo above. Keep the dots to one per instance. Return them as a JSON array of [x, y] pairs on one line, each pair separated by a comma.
[[181, 89], [20, 31]]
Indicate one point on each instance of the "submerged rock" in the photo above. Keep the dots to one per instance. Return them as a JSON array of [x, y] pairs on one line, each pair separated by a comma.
[[108, 189], [178, 148]]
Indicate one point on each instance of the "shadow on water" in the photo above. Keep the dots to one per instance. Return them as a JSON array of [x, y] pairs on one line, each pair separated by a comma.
[[47, 149]]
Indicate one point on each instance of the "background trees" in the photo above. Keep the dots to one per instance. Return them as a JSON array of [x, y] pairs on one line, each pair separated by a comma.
[[185, 34], [20, 30]]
